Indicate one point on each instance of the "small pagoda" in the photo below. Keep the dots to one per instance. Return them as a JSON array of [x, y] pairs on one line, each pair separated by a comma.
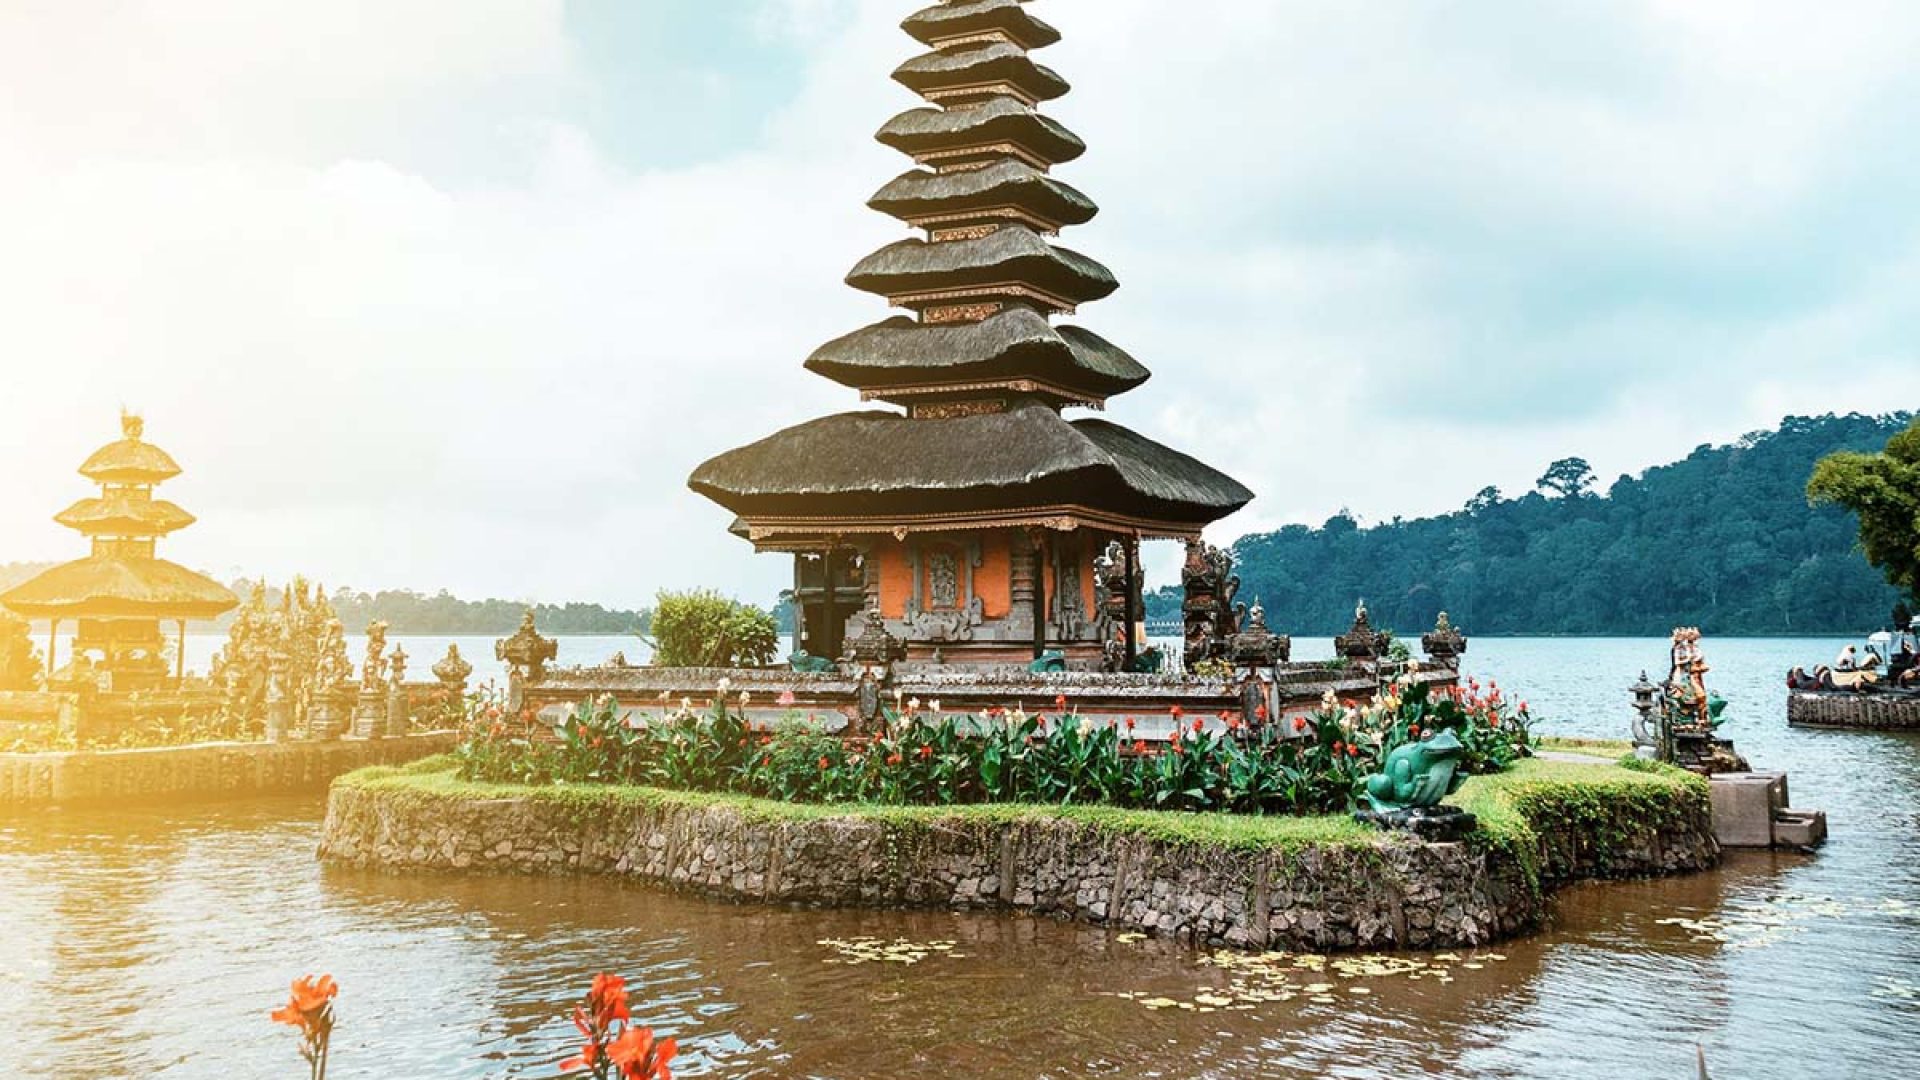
[[971, 518], [121, 593]]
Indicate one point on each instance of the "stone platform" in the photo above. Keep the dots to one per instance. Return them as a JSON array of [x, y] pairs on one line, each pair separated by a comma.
[[205, 771], [1321, 883]]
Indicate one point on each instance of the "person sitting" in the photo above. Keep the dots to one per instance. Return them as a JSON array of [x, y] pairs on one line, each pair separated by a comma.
[[1845, 661], [1797, 679], [1823, 678]]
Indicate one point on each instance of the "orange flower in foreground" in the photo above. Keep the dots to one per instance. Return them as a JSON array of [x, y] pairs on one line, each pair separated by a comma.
[[309, 999], [608, 999], [640, 1057]]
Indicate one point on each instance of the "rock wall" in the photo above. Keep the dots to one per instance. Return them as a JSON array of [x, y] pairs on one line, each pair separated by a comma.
[[1388, 891], [1867, 712], [212, 770]]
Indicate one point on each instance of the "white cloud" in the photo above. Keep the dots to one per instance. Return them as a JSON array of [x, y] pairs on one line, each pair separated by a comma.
[[406, 323]]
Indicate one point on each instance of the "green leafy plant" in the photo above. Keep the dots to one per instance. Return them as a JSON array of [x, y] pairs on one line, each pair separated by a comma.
[[702, 629]]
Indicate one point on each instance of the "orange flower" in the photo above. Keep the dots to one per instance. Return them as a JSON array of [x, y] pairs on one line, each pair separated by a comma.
[[1140, 746], [608, 999], [1059, 701], [824, 763], [1413, 730], [1299, 723], [1339, 748], [1177, 712], [893, 759], [1130, 723], [309, 999], [926, 752], [640, 1057], [1260, 713]]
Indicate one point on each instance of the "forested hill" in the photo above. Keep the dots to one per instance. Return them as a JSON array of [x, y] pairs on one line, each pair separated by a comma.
[[1724, 540]]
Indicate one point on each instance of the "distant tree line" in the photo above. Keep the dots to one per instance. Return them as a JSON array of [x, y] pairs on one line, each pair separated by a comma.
[[1725, 539], [409, 612]]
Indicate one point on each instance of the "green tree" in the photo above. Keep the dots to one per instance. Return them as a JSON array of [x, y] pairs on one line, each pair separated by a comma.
[[702, 629], [1883, 491], [1569, 478]]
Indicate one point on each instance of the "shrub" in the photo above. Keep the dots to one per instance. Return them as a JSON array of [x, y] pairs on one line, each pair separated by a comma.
[[703, 629], [930, 759]]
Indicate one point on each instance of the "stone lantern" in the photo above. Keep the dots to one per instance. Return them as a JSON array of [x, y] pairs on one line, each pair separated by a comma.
[[1649, 726]]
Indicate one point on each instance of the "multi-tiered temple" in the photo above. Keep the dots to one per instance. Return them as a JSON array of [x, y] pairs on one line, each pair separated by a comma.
[[122, 591], [972, 515]]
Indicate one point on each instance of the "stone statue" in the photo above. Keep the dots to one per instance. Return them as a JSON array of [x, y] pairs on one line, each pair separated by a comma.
[[373, 671], [1417, 775], [1209, 609], [19, 662], [1690, 713], [1689, 705]]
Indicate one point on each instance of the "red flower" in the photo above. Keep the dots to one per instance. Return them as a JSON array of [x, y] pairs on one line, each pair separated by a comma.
[[1339, 748], [639, 1057], [1198, 726], [1140, 746], [1260, 713], [1299, 723], [1177, 712], [1352, 750], [1413, 730], [893, 759], [1059, 701], [824, 763], [766, 760], [608, 999], [926, 752], [1175, 747], [1523, 706], [1130, 723]]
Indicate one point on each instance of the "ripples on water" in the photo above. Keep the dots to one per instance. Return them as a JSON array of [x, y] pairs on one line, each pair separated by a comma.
[[153, 941]]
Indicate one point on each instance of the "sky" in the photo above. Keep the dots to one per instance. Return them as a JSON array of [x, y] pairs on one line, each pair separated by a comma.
[[436, 295]]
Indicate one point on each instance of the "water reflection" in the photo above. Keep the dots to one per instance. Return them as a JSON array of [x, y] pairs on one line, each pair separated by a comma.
[[176, 930]]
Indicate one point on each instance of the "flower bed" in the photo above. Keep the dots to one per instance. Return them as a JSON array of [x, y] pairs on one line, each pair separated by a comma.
[[923, 757]]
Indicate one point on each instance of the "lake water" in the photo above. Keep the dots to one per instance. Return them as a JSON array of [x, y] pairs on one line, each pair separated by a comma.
[[152, 941]]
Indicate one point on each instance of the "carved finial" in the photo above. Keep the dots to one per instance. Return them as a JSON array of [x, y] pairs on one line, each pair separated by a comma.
[[131, 425]]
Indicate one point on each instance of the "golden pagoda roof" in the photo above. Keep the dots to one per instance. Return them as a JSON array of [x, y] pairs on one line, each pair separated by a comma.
[[130, 460], [121, 513], [119, 587]]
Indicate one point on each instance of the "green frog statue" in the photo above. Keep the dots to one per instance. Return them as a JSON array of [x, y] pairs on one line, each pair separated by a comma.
[[1417, 775]]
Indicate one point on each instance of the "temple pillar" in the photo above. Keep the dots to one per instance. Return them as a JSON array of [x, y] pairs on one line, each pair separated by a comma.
[[53, 649], [1129, 548], [180, 656], [829, 606]]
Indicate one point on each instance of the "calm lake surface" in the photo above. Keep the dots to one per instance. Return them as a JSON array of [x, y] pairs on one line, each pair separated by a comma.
[[153, 941]]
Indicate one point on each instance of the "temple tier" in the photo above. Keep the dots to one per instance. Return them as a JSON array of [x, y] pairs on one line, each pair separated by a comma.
[[121, 592], [978, 525]]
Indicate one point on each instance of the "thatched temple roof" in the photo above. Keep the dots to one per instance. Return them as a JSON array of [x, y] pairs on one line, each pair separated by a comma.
[[883, 465], [1017, 342], [993, 63], [919, 194], [119, 513], [129, 461], [946, 21], [1013, 253], [1000, 119], [119, 587]]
